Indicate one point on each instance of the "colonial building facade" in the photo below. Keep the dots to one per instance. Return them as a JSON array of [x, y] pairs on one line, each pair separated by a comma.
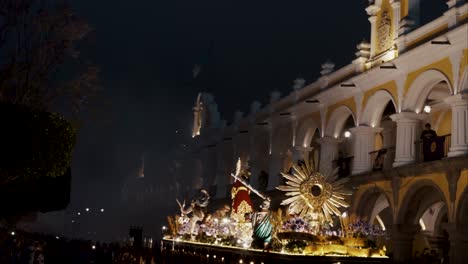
[[406, 76]]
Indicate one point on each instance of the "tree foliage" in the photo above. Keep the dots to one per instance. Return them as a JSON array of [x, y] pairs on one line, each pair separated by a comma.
[[41, 73], [37, 39], [34, 144]]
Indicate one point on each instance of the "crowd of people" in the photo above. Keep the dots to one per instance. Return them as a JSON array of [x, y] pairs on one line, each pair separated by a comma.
[[17, 247], [429, 257]]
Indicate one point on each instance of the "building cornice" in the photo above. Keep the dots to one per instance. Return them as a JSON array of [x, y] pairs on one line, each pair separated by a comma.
[[347, 81]]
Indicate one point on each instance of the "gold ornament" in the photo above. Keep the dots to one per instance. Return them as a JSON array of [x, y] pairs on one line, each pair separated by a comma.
[[313, 194]]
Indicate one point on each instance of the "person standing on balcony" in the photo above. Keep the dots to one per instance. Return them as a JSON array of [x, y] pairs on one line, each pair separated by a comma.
[[343, 165], [428, 133], [432, 146]]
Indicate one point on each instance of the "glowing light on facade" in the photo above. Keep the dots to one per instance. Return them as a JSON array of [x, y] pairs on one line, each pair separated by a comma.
[[347, 134], [427, 109]]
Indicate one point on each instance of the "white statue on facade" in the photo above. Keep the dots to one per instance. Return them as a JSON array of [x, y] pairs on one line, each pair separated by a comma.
[[197, 116]]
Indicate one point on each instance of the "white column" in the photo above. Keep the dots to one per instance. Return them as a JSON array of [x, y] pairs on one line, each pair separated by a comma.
[[275, 165], [459, 143], [408, 132], [300, 153], [328, 152], [388, 133], [253, 156], [363, 138], [221, 176], [373, 20], [372, 11], [396, 6], [458, 244], [402, 238], [389, 136], [226, 165]]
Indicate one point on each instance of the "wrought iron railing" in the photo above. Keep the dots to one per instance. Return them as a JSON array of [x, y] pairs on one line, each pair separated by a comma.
[[447, 144], [382, 159], [344, 165]]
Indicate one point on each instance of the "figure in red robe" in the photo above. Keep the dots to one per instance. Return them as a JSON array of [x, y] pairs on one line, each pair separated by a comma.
[[240, 195]]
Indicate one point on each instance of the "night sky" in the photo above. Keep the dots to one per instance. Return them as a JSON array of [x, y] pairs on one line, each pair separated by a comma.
[[146, 50]]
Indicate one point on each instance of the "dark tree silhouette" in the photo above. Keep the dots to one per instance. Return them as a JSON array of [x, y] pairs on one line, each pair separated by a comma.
[[41, 72], [37, 40]]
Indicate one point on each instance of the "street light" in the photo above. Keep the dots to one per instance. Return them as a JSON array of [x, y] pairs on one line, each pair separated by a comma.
[[87, 209], [102, 209]]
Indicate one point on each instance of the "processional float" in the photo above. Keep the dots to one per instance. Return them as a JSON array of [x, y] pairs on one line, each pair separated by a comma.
[[311, 220]]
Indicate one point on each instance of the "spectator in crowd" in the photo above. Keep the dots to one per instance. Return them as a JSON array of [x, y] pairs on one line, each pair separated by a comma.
[[28, 248]]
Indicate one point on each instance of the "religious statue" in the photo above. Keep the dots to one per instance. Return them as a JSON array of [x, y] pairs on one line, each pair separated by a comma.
[[262, 227], [222, 212], [240, 194], [197, 210], [385, 32], [197, 116]]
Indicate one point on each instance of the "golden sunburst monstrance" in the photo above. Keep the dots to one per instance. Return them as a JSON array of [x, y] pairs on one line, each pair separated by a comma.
[[315, 195]]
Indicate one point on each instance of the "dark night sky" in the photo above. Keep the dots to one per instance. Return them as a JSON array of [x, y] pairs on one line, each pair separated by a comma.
[[146, 50]]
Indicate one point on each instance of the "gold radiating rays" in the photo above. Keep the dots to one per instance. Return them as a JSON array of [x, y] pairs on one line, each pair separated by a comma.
[[314, 195]]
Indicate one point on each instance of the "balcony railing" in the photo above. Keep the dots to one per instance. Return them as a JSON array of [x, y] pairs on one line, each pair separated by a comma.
[[382, 159], [445, 142], [344, 165]]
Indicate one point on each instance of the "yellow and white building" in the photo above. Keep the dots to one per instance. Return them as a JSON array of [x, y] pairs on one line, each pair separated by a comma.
[[407, 76]]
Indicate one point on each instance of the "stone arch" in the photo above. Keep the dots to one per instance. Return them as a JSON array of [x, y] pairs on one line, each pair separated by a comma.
[[337, 120], [421, 87], [442, 124], [431, 218], [228, 160], [416, 201], [373, 110], [282, 139], [261, 147], [463, 87], [210, 160], [197, 180], [461, 217], [419, 197], [374, 206], [305, 131]]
